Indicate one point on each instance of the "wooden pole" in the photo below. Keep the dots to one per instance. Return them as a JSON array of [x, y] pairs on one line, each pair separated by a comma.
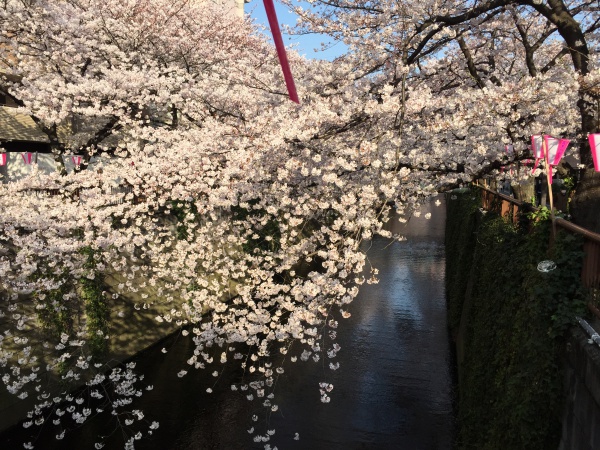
[[549, 181]]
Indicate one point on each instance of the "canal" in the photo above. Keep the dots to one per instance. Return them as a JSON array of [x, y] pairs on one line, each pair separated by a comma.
[[393, 390]]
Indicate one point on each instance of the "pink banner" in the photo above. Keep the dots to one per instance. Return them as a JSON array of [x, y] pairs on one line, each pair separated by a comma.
[[283, 61], [76, 159], [3, 159], [536, 146]]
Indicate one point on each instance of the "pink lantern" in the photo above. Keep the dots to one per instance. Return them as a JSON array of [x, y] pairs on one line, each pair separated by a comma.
[[555, 150], [509, 149], [283, 61], [27, 158], [536, 146], [76, 159], [595, 147], [537, 149], [3, 159]]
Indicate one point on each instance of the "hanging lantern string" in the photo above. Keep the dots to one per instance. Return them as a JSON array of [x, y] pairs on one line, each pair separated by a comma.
[[281, 54]]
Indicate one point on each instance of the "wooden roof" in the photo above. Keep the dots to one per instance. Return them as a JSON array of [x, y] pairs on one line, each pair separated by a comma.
[[15, 126]]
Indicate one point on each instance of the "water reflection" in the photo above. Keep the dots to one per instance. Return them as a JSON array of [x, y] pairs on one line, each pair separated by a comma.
[[393, 390]]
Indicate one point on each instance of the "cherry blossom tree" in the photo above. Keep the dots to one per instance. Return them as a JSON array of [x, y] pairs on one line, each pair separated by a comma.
[[221, 186], [531, 65], [229, 212]]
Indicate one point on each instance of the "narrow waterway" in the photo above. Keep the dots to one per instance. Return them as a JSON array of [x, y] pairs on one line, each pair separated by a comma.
[[392, 391]]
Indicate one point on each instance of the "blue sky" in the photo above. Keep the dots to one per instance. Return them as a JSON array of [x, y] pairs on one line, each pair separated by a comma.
[[306, 43]]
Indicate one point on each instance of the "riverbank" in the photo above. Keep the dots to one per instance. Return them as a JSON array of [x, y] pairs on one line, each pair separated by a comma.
[[513, 300], [393, 388]]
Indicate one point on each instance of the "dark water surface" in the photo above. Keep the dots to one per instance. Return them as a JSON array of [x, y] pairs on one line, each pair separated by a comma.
[[393, 389]]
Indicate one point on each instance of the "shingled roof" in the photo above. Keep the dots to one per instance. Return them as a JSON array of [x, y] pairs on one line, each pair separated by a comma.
[[15, 126]]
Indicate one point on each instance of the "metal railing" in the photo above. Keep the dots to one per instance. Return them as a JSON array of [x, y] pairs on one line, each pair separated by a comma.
[[504, 205], [508, 207]]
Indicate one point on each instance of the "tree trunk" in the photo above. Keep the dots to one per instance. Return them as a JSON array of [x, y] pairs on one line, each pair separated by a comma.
[[524, 190]]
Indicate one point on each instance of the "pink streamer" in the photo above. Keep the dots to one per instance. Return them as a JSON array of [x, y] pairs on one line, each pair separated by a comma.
[[283, 61]]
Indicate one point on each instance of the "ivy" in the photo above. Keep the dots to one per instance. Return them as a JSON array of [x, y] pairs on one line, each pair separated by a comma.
[[265, 235], [54, 310], [97, 310], [179, 211], [511, 382], [461, 222]]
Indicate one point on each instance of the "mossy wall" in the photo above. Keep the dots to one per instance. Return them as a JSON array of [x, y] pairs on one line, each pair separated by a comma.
[[509, 320]]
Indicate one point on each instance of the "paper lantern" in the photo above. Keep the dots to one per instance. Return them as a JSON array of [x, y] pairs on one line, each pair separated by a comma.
[[27, 158], [3, 159], [536, 146], [509, 149], [555, 149], [76, 159], [281, 54], [537, 149], [595, 147]]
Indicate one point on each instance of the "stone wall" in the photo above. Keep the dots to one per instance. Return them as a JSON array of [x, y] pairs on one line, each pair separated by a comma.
[[581, 418]]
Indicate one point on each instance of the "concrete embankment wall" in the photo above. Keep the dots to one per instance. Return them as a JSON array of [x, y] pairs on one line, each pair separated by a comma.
[[132, 328], [581, 418], [130, 317], [528, 377]]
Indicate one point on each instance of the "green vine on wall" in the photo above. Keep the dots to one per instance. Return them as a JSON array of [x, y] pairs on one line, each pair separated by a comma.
[[97, 309], [265, 236], [511, 383], [54, 307]]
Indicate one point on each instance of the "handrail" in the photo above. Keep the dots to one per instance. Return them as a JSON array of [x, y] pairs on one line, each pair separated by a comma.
[[509, 206], [563, 223], [508, 198], [577, 229], [590, 270]]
